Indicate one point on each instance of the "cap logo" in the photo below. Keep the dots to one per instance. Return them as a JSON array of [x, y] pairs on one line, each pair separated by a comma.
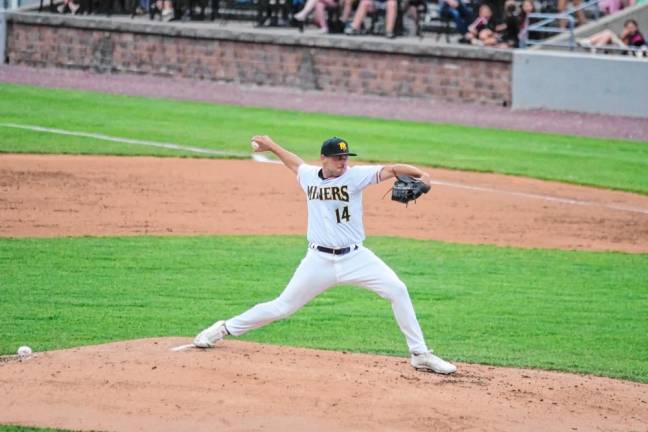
[[343, 146]]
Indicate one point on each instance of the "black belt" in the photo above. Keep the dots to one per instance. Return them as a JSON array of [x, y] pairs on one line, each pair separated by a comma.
[[342, 251]]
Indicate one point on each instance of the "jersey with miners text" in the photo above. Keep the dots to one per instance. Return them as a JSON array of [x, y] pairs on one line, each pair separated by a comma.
[[335, 204]]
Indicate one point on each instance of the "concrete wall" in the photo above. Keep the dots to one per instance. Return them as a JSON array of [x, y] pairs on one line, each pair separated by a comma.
[[3, 35], [579, 82], [257, 56]]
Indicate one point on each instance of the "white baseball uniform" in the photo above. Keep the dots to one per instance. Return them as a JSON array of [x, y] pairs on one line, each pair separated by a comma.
[[336, 255]]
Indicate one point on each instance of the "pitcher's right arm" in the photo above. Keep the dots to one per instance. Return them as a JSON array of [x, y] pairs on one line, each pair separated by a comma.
[[289, 159]]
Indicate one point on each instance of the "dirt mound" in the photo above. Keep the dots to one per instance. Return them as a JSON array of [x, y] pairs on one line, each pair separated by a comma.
[[82, 195], [239, 386]]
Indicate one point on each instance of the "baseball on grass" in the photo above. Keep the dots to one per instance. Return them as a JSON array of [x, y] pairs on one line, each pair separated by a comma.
[[24, 351], [255, 145]]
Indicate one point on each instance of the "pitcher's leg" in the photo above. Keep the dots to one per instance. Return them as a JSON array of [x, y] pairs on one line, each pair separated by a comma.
[[313, 276], [364, 268]]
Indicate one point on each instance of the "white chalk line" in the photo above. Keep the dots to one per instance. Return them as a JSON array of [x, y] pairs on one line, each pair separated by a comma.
[[549, 198], [264, 159], [171, 146], [182, 347]]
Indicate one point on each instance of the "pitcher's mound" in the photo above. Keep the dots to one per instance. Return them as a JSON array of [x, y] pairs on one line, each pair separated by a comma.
[[240, 386]]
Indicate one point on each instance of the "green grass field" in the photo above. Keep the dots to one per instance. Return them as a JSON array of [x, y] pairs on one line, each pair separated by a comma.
[[600, 162], [573, 311]]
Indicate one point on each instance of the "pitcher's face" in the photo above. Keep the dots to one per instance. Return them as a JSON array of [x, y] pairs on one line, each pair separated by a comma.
[[334, 166]]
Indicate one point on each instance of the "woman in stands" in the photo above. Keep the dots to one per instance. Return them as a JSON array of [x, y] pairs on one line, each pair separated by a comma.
[[368, 6], [630, 37], [319, 6]]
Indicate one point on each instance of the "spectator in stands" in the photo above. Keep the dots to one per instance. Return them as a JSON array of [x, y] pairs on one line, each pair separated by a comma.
[[68, 6], [515, 22], [629, 37], [142, 7], [613, 6], [162, 7], [347, 7], [528, 7], [511, 25], [411, 9], [610, 6], [367, 6], [319, 6], [498, 7], [580, 15], [458, 12], [483, 30]]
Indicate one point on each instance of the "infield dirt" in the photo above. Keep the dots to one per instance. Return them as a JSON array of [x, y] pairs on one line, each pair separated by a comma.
[[239, 386], [141, 385], [90, 195]]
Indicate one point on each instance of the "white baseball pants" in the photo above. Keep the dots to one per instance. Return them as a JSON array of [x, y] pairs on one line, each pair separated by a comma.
[[319, 271]]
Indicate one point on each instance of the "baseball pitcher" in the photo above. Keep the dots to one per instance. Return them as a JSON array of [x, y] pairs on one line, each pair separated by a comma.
[[335, 254]]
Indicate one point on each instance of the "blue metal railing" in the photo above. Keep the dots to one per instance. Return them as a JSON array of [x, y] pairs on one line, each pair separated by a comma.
[[550, 23]]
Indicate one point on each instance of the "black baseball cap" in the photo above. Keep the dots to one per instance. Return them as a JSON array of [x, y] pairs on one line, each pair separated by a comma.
[[336, 147]]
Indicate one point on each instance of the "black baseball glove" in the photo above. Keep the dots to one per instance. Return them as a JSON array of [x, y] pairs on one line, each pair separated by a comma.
[[408, 189]]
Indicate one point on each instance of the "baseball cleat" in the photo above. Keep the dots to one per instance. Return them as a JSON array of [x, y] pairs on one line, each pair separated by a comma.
[[208, 337], [429, 362]]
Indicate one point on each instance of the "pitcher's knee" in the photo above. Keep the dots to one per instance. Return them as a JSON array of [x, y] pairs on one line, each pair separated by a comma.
[[397, 290]]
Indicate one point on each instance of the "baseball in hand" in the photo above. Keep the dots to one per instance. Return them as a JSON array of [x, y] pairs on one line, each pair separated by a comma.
[[24, 351], [255, 145]]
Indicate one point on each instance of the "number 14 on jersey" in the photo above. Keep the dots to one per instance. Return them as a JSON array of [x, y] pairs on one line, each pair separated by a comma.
[[344, 215]]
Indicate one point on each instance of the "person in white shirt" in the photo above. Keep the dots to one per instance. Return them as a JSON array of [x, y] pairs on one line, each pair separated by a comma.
[[335, 253]]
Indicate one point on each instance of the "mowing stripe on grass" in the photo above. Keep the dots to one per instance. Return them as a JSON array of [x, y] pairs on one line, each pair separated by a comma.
[[262, 158]]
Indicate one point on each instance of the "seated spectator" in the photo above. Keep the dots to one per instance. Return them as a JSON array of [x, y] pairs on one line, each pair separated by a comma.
[[580, 15], [162, 7], [411, 9], [347, 7], [458, 12], [629, 37], [368, 6], [482, 30], [142, 7], [528, 7], [610, 6], [613, 6], [515, 22], [319, 6], [68, 6]]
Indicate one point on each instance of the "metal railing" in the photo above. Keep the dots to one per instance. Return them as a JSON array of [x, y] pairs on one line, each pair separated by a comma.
[[543, 24], [15, 4]]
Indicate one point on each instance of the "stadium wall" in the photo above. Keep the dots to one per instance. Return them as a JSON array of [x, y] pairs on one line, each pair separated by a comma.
[[3, 35], [257, 56], [609, 84]]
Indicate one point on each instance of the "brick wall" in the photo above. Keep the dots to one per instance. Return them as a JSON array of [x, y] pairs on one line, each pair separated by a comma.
[[354, 65]]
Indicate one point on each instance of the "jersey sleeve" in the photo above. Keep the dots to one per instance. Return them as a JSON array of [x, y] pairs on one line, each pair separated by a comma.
[[366, 175], [304, 174]]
